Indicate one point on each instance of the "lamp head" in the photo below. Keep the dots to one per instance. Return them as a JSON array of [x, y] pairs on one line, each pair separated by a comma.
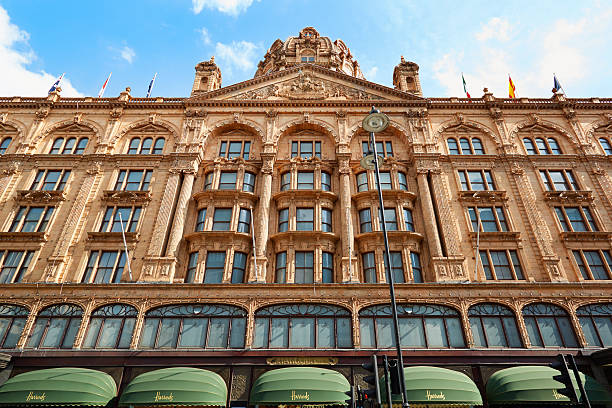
[[375, 122]]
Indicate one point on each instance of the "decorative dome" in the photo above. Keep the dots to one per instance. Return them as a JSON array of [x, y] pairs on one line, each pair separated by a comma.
[[309, 47]]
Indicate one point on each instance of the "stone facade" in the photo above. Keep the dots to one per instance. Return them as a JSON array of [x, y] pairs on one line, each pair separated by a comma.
[[318, 105]]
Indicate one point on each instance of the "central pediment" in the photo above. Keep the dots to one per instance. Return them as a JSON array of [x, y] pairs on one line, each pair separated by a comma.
[[306, 82]]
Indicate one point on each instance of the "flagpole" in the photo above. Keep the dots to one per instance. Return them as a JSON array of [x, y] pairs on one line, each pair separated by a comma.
[[127, 254], [151, 85]]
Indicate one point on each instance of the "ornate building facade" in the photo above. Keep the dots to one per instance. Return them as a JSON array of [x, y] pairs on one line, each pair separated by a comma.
[[252, 233]]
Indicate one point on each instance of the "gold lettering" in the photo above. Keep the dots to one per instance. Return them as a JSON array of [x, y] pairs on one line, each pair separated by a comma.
[[299, 397], [557, 395], [302, 361], [161, 397], [439, 396], [33, 397]]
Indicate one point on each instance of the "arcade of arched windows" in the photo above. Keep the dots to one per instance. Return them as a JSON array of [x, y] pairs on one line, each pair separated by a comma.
[[304, 325]]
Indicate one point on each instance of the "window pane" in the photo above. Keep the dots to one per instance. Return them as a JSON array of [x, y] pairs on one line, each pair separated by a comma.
[[385, 332], [237, 333], [590, 333], [604, 327], [281, 267], [260, 338], [168, 333], [219, 331], [126, 334], [279, 336], [385, 180], [436, 335], [369, 267], [366, 331], [215, 263], [12, 338], [343, 332], [452, 146], [227, 180], [302, 332], [110, 332], [73, 328], [532, 331], [55, 332], [149, 332], [194, 332], [567, 332], [239, 268], [305, 180], [92, 333], [328, 267], [325, 333], [455, 332], [411, 332], [37, 332], [477, 332], [550, 332], [514, 340], [495, 331]]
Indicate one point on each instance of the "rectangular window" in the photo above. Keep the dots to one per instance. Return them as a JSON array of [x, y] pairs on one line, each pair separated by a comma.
[[239, 267], [383, 149], [192, 268], [559, 180], [305, 150], [13, 265], [133, 180], [408, 222], [369, 267], [385, 181], [365, 221], [402, 181], [215, 263], [594, 264], [233, 149], [326, 220], [244, 220], [248, 184], [390, 219], [325, 181], [283, 220], [105, 267], [31, 219], [304, 267], [222, 219], [397, 267], [487, 219], [208, 180], [201, 220], [362, 181], [501, 265], [328, 268], [281, 267], [285, 181], [476, 180], [305, 180], [50, 180], [417, 274], [305, 219], [115, 216], [578, 219], [227, 180]]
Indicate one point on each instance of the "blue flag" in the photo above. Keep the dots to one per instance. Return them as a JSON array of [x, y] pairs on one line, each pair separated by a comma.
[[151, 85], [556, 83], [56, 83]]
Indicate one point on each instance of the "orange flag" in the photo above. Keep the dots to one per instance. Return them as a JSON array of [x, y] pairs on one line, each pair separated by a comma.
[[511, 88]]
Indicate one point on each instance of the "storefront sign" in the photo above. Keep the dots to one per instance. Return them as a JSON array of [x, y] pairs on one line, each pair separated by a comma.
[[432, 396], [36, 397], [161, 397], [557, 395], [296, 361], [299, 397]]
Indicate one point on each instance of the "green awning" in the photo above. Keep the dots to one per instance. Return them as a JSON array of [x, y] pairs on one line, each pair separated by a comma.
[[300, 385], [436, 386], [176, 386], [66, 386], [535, 385]]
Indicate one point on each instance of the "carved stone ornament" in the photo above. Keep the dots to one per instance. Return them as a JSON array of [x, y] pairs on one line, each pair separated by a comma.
[[78, 117], [517, 169], [200, 113], [535, 118], [460, 117], [95, 168], [120, 197], [341, 114], [3, 117], [345, 167], [116, 113], [39, 196], [14, 167], [570, 113], [271, 113], [496, 113], [42, 113]]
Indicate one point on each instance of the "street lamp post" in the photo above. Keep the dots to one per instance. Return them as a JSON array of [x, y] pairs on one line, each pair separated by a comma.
[[376, 122]]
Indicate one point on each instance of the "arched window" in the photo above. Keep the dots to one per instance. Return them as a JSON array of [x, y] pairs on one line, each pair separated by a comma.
[[194, 326], [467, 145], [542, 146], [111, 327], [453, 147], [56, 327], [605, 145], [493, 325], [72, 145], [548, 326], [302, 326], [146, 145], [420, 325], [5, 144], [596, 323], [12, 321]]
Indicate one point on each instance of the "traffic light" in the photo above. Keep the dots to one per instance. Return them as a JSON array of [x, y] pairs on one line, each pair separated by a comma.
[[372, 394], [395, 377], [350, 402], [564, 378], [359, 393]]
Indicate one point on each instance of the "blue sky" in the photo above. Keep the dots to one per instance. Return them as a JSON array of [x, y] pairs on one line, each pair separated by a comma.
[[134, 39]]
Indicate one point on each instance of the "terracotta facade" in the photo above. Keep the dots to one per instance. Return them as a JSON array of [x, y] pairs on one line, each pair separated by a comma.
[[311, 105]]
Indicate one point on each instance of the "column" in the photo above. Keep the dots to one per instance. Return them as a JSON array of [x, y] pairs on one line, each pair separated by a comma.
[[429, 216], [262, 217], [349, 260]]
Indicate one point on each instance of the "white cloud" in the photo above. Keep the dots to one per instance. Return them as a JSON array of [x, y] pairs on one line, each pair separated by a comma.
[[371, 73], [239, 54], [205, 35], [496, 28], [127, 54], [231, 7], [16, 55]]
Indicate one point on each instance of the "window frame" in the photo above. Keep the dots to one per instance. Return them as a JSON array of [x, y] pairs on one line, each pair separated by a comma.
[[124, 312], [589, 311], [14, 273], [69, 145], [556, 317], [542, 146], [466, 181], [586, 269], [123, 178], [297, 150], [225, 149], [10, 313], [501, 313], [569, 179], [222, 222], [111, 218], [513, 263], [587, 219], [65, 311], [146, 145], [40, 180], [500, 220], [40, 224], [92, 268]]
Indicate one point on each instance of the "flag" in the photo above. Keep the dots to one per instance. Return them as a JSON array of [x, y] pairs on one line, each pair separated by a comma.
[[464, 87], [104, 86], [511, 88], [56, 84], [557, 84], [151, 85]]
